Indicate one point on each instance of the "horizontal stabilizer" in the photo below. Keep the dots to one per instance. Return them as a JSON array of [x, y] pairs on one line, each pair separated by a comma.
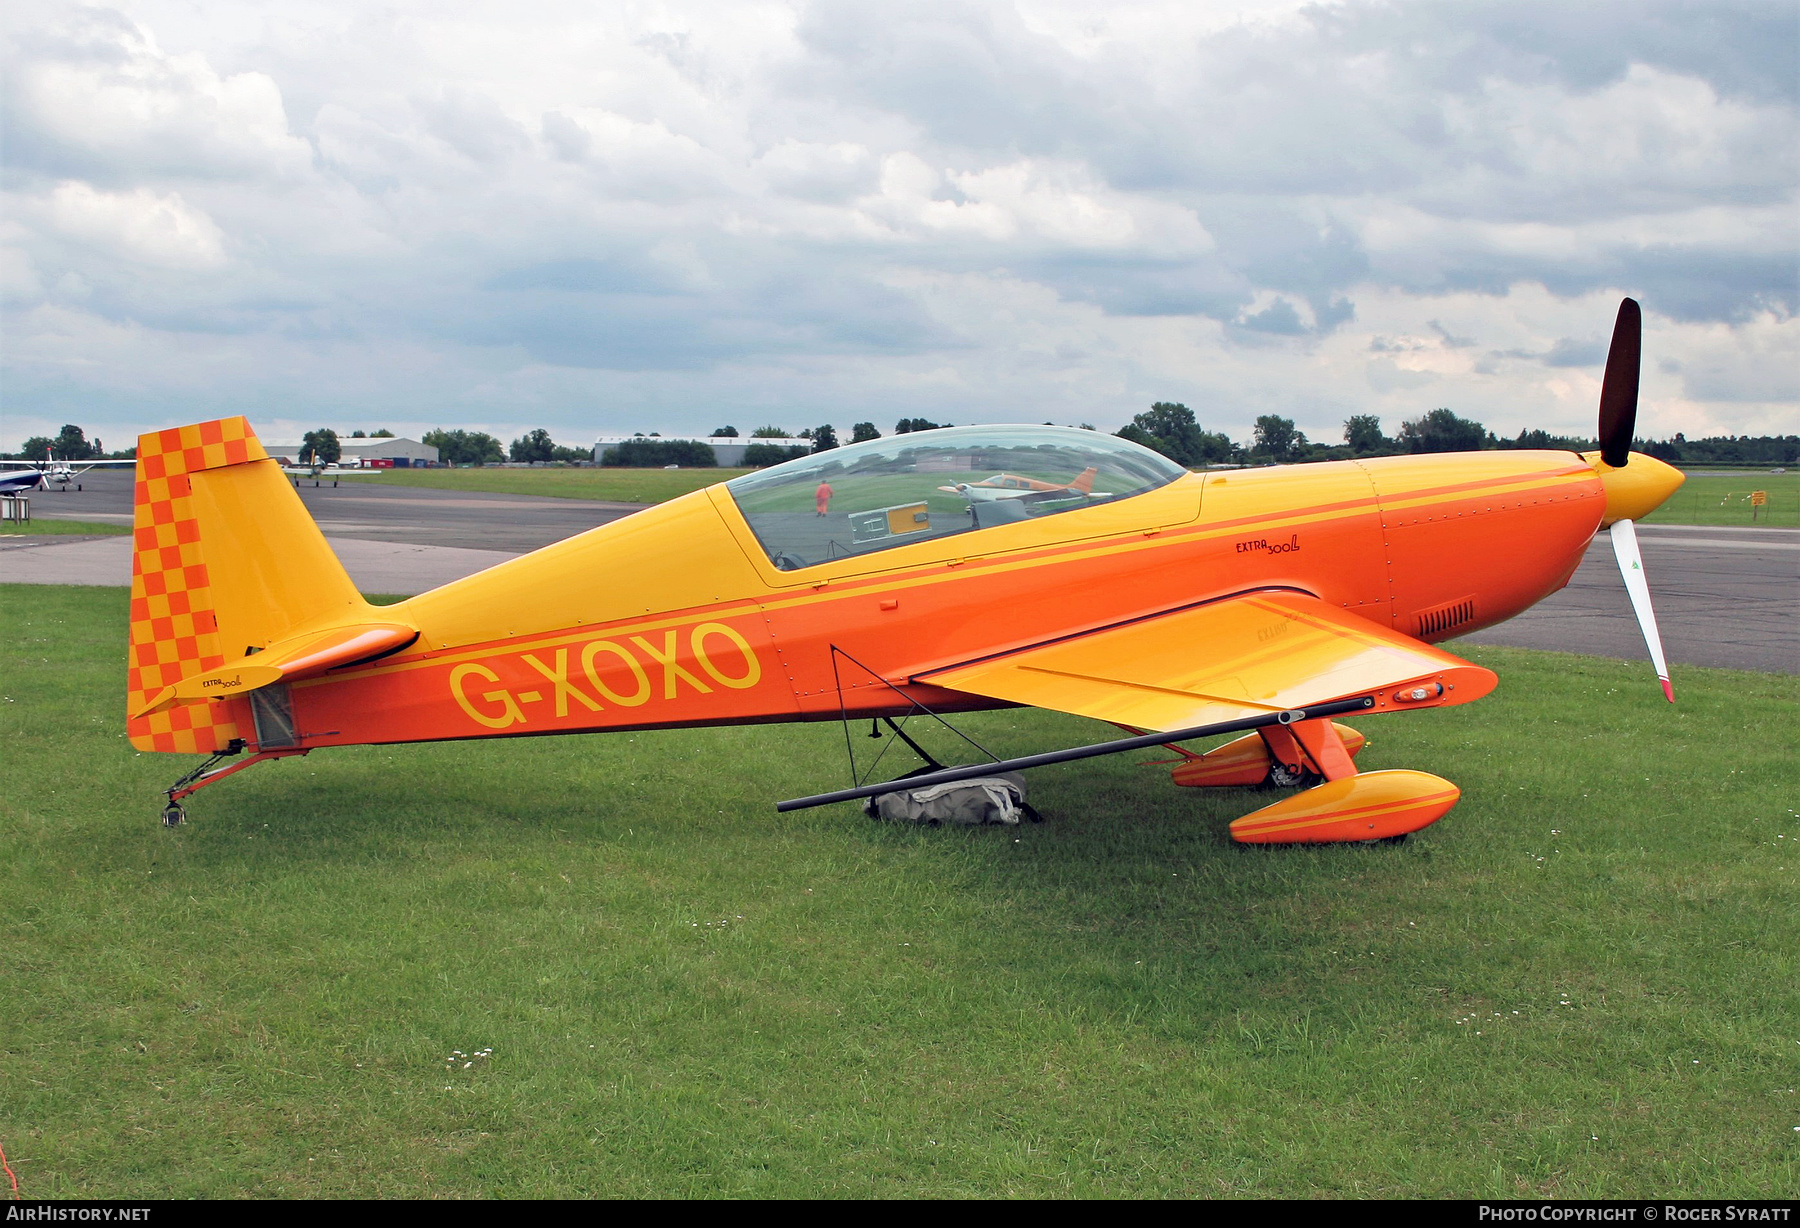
[[286, 661]]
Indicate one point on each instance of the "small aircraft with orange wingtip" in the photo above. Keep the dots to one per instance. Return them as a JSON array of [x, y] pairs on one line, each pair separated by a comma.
[[38, 475], [1012, 486], [1265, 602]]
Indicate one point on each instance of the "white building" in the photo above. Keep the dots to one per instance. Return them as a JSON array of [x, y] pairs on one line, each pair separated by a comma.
[[403, 452]]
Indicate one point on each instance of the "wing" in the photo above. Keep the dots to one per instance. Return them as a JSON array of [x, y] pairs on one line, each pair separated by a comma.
[[1255, 653]]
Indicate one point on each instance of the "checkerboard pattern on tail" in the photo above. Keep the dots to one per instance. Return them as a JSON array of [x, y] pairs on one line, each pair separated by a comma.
[[174, 627]]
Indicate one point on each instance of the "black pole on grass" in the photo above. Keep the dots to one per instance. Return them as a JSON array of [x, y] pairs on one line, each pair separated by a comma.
[[1290, 716]]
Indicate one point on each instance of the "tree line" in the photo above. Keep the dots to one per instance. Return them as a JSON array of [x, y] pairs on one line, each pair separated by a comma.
[[1168, 427], [1171, 428], [69, 444]]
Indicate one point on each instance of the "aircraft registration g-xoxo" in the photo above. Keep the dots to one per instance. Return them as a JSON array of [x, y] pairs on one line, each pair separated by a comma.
[[1263, 602]]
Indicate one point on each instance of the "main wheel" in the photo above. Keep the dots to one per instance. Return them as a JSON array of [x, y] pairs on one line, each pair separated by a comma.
[[1281, 777]]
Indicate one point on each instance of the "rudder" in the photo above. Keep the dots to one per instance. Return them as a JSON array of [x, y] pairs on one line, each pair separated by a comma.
[[226, 560]]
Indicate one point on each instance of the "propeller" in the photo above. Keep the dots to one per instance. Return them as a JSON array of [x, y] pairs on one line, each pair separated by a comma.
[[1619, 391], [1618, 422], [1631, 567]]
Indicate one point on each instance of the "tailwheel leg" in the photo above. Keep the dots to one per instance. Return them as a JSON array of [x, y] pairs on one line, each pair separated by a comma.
[[210, 773]]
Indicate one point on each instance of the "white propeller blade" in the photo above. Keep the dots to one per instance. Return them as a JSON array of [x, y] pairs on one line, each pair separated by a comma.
[[1631, 567]]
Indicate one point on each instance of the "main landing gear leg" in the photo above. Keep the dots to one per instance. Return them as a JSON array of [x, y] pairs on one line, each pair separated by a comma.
[[1348, 807], [1252, 760], [209, 772]]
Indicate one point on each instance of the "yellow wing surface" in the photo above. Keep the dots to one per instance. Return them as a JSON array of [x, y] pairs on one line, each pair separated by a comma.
[[1231, 659]]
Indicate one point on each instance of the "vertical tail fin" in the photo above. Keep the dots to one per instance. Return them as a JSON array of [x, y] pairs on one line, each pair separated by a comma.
[[1085, 481], [226, 560]]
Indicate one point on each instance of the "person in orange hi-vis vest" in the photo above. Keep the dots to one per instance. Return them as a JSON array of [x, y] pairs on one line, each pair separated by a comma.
[[822, 497]]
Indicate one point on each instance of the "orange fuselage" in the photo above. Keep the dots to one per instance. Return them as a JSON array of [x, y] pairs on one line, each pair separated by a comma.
[[674, 616]]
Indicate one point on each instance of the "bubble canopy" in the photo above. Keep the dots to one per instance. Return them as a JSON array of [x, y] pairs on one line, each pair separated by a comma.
[[891, 492]]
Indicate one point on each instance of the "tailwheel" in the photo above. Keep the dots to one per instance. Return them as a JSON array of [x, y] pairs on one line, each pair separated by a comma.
[[1356, 809], [174, 815]]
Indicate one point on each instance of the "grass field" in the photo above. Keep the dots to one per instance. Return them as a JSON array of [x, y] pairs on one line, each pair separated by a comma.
[[61, 528], [1705, 498], [1583, 982], [1724, 499], [608, 485]]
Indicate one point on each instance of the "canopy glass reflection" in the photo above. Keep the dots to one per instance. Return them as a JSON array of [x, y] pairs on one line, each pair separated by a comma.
[[874, 496]]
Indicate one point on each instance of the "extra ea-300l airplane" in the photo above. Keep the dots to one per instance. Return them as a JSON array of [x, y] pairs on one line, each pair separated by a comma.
[[1264, 602]]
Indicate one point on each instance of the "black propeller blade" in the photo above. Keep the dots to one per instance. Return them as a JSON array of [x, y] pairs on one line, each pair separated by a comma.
[[1619, 393]]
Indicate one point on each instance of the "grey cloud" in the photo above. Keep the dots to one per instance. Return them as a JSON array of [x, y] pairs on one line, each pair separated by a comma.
[[1270, 114], [629, 316], [1332, 313], [89, 95], [1700, 282], [1450, 339], [1746, 47], [1568, 352], [1143, 287], [970, 75], [1278, 317], [568, 138], [608, 276], [473, 124], [1385, 375], [717, 233], [1743, 382], [838, 171]]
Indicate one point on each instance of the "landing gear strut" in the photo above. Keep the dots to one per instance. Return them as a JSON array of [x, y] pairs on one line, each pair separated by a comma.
[[208, 772], [1283, 777]]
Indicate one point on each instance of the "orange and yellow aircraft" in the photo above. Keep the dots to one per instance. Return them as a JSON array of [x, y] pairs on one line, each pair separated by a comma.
[[1014, 486], [1264, 602]]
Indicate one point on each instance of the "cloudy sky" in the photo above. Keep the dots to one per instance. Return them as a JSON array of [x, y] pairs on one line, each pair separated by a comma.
[[667, 216]]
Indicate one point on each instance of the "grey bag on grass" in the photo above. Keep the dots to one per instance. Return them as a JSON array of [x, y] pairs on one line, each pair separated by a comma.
[[998, 799]]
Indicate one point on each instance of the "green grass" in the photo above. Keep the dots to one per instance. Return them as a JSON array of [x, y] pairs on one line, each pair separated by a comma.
[[1724, 499], [609, 485], [1583, 982], [61, 528]]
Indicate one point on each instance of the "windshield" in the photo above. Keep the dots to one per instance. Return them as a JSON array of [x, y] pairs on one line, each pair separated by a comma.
[[909, 488]]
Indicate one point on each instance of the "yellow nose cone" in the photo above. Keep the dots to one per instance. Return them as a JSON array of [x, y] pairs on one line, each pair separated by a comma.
[[1637, 488]]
